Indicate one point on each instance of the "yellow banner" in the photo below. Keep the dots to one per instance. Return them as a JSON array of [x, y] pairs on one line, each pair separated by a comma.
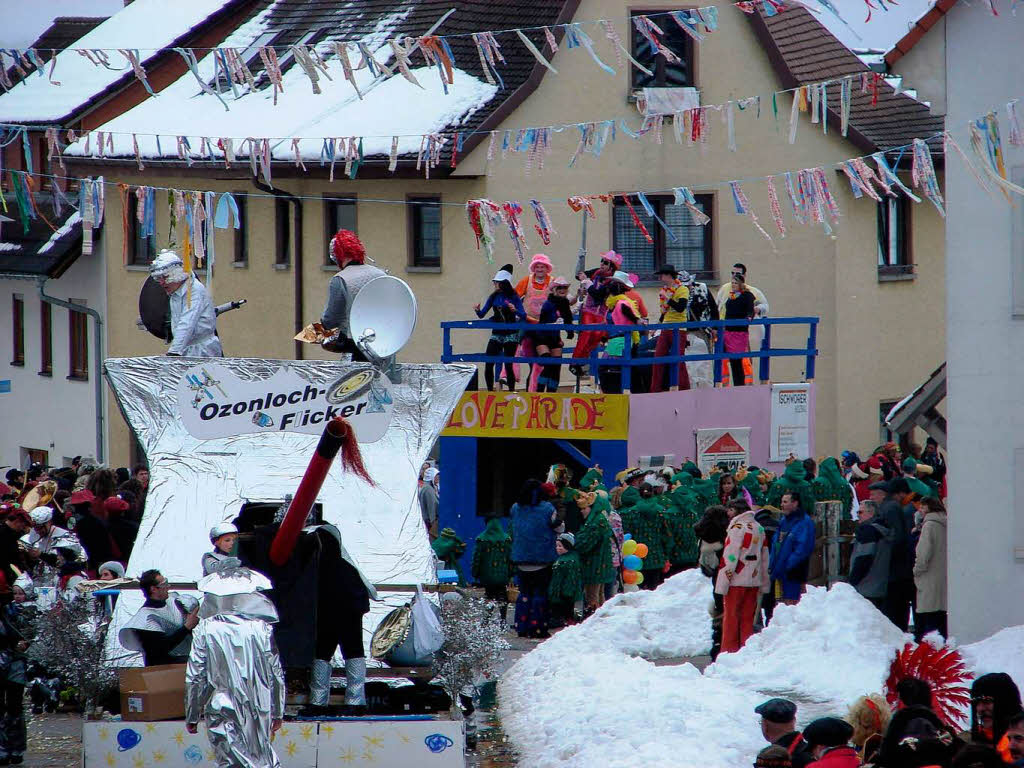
[[540, 414]]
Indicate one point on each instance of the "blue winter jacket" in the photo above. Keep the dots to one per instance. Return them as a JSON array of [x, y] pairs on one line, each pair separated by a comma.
[[791, 551], [533, 537]]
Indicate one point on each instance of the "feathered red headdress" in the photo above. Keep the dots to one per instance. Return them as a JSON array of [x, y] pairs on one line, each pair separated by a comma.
[[944, 671]]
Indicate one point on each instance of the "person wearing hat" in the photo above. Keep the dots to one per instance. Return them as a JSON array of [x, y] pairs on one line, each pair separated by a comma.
[[830, 485], [161, 630], [16, 633], [593, 292], [672, 299], [429, 496], [491, 566], [566, 587], [773, 757], [593, 542], [347, 252], [507, 307], [448, 548], [16, 479], [778, 726], [193, 319], [645, 522], [889, 498], [234, 678], [829, 741], [223, 536], [556, 310], [44, 538]]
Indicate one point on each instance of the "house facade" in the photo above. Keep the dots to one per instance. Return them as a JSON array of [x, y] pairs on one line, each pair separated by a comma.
[[874, 294], [984, 336]]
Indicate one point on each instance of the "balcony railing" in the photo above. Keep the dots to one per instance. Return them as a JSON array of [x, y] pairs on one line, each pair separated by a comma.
[[628, 361]]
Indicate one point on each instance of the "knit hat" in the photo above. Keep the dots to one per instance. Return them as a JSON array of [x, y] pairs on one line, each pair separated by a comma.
[[828, 732], [346, 245], [114, 567], [222, 529], [115, 504], [568, 540], [613, 257], [773, 757], [540, 258], [41, 515], [82, 497]]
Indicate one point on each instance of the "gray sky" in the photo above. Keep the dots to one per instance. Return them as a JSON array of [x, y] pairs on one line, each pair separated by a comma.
[[25, 20]]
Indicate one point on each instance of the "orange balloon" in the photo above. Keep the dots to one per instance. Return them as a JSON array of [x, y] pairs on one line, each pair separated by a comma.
[[641, 551], [630, 577]]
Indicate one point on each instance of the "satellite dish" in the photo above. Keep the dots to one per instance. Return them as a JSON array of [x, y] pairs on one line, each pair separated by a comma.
[[383, 316], [155, 310]]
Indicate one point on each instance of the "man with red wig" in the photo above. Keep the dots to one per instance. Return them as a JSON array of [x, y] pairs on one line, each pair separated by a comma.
[[348, 253]]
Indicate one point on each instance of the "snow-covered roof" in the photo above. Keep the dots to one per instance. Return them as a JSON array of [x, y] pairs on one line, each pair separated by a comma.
[[143, 25], [394, 106]]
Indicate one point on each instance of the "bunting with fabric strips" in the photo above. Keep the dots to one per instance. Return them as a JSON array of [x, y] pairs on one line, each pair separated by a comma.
[[575, 37], [684, 197], [636, 219], [1016, 136], [922, 173], [739, 199], [490, 54], [858, 184], [579, 203], [649, 210], [543, 226], [652, 33], [512, 212], [986, 145], [887, 174], [776, 208]]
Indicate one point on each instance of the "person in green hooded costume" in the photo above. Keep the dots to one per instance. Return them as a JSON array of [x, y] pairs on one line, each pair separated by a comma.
[[793, 479], [680, 517], [449, 548], [923, 489], [830, 485], [645, 522], [594, 546], [492, 560], [593, 480], [747, 478], [566, 586]]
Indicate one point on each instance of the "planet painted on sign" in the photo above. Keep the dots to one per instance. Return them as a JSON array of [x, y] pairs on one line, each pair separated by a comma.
[[127, 739], [193, 755], [437, 742]]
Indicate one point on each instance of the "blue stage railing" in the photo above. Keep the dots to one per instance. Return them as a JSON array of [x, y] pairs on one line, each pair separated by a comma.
[[627, 362]]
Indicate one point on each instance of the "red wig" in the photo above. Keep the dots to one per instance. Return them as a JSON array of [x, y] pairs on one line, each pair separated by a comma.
[[347, 247]]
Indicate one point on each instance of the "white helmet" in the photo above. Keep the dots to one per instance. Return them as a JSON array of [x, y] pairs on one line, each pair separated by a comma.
[[167, 265], [41, 515], [221, 529]]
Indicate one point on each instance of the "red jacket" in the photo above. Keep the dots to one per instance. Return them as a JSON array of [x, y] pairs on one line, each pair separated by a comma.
[[839, 757]]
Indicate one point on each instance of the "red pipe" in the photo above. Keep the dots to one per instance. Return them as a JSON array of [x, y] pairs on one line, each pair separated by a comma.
[[295, 518]]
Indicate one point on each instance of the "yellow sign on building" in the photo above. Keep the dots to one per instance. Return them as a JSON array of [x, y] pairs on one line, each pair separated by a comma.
[[540, 414]]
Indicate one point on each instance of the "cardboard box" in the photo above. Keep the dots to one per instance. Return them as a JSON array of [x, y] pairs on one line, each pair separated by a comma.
[[153, 693]]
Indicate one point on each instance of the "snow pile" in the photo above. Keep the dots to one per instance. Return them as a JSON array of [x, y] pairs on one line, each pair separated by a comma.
[[669, 622], [1002, 652], [827, 650], [601, 707]]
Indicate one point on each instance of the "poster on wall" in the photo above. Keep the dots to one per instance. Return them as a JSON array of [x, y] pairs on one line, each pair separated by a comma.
[[730, 447], [789, 425]]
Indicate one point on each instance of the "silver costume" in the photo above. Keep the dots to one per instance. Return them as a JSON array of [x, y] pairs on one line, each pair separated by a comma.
[[234, 677], [57, 537], [194, 324], [212, 560], [167, 619]]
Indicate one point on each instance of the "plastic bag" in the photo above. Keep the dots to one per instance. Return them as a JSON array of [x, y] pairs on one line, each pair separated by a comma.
[[427, 635]]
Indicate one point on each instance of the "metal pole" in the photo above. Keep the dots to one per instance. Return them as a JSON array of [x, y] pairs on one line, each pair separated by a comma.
[[99, 357]]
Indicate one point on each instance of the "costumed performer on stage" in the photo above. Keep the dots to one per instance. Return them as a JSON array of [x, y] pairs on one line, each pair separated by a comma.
[[234, 677], [223, 537], [161, 630], [193, 319], [348, 253]]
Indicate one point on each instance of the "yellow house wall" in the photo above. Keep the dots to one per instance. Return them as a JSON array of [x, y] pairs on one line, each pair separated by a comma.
[[876, 340]]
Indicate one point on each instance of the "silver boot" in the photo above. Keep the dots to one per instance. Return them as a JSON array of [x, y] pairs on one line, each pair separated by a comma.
[[355, 682], [320, 683]]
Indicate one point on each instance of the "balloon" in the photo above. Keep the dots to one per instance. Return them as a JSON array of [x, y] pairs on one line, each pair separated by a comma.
[[630, 577], [629, 547], [627, 537], [641, 550], [632, 563], [639, 578]]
